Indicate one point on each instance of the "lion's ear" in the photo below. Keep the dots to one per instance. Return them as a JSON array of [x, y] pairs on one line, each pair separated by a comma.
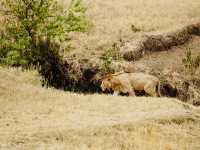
[[101, 78]]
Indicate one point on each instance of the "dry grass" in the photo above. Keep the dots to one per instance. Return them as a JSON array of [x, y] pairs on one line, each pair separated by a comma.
[[168, 61], [32, 117], [113, 19]]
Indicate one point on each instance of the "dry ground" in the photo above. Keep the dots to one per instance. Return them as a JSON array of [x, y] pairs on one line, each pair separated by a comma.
[[32, 117], [112, 20]]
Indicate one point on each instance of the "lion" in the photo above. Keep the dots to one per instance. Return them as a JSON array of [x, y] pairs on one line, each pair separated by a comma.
[[131, 82]]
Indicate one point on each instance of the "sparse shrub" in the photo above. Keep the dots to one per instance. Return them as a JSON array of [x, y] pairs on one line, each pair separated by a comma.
[[107, 60], [116, 55], [135, 29], [191, 63], [110, 55]]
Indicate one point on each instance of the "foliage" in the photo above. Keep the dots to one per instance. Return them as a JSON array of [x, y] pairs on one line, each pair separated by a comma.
[[109, 56], [34, 32], [14, 58], [12, 48], [107, 60], [29, 21], [191, 63], [76, 18]]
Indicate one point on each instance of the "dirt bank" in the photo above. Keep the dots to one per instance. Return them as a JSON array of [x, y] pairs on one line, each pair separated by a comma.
[[134, 50]]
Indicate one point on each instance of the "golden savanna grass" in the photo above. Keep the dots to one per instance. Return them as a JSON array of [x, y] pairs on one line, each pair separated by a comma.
[[112, 20], [32, 117], [36, 118]]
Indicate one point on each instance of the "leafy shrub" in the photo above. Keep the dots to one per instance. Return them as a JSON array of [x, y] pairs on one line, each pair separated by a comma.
[[28, 21], [14, 58], [11, 52], [76, 18], [34, 32]]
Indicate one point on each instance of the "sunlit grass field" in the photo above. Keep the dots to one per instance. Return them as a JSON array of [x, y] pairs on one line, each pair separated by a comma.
[[32, 117]]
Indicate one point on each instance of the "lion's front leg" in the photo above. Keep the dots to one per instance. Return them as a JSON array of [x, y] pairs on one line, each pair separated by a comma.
[[129, 90], [132, 93]]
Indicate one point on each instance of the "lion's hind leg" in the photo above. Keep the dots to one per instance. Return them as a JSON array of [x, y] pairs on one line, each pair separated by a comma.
[[150, 89]]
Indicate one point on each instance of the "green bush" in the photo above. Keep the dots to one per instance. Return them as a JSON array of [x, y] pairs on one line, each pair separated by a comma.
[[29, 21], [34, 31], [76, 17], [14, 58]]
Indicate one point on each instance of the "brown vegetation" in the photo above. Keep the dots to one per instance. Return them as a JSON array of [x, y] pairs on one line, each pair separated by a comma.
[[113, 20]]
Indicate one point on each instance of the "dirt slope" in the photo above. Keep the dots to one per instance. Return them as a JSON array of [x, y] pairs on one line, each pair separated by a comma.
[[35, 118]]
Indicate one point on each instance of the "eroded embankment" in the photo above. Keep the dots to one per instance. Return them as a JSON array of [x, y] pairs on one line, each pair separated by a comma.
[[83, 74], [134, 50]]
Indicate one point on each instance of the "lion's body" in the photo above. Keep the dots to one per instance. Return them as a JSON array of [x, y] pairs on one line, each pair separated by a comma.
[[129, 82]]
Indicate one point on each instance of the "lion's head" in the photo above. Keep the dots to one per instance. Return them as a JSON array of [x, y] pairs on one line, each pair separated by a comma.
[[109, 83], [106, 83]]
